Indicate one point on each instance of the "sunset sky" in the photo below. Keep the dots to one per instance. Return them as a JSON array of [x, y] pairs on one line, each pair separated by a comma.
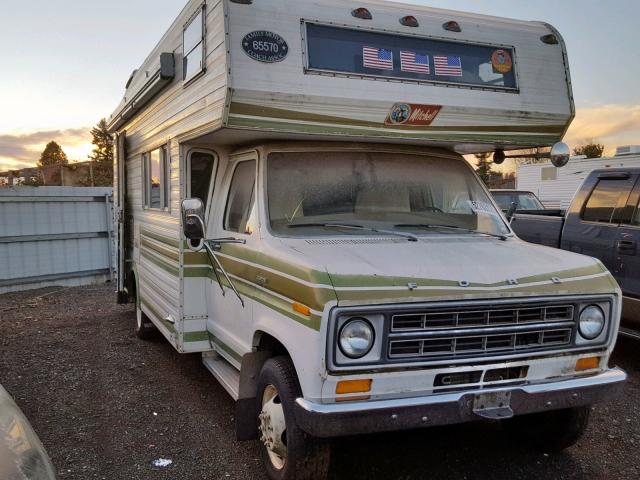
[[66, 62]]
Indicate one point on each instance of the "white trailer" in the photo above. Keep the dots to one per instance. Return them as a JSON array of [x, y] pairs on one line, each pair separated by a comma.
[[555, 187], [293, 203]]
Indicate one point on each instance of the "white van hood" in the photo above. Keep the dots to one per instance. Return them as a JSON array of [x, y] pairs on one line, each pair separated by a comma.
[[382, 269]]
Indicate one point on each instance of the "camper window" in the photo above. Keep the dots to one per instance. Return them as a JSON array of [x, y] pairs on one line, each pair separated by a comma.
[[241, 197], [193, 47], [156, 178]]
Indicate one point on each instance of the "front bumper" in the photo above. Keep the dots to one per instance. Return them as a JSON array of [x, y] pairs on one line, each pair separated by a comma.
[[351, 418]]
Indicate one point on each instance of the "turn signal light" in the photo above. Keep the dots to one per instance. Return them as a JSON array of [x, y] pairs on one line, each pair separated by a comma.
[[362, 13], [353, 386], [300, 308], [588, 363]]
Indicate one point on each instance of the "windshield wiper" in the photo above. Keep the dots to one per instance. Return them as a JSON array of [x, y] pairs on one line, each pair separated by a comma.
[[450, 227], [409, 236]]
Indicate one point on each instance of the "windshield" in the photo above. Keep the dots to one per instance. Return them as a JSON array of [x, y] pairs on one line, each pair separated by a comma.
[[317, 192], [524, 200]]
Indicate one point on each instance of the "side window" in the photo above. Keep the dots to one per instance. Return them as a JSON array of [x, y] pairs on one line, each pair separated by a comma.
[[155, 177], [202, 168], [603, 201], [193, 47], [241, 197]]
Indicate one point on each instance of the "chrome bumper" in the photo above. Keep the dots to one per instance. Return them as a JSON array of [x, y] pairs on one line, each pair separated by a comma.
[[351, 418]]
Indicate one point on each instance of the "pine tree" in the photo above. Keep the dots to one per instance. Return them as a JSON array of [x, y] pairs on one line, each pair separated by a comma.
[[103, 141], [53, 155], [483, 168]]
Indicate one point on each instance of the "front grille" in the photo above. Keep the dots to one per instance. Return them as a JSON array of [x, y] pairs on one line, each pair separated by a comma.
[[477, 332]]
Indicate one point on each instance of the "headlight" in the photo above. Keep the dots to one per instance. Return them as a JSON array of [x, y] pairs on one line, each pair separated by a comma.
[[356, 338], [591, 322]]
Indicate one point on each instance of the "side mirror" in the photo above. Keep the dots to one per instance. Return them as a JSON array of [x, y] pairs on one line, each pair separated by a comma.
[[560, 154], [193, 220], [511, 212]]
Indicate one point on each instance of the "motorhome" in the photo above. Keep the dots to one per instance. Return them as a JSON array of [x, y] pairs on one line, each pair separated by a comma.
[[293, 204]]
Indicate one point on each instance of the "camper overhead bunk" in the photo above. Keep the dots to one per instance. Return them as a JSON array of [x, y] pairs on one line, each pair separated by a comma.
[[293, 203]]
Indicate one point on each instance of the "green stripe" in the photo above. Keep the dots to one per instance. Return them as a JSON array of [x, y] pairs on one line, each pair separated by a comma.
[[499, 139], [169, 253], [219, 343], [173, 242], [279, 113], [172, 269], [202, 336]]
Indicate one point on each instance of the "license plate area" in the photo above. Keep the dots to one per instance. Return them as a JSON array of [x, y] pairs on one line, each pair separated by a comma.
[[493, 405]]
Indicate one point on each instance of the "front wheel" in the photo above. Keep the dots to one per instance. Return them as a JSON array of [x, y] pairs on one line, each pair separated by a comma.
[[550, 431], [287, 452]]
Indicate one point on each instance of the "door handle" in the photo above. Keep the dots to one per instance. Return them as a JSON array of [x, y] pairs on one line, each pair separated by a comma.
[[627, 247]]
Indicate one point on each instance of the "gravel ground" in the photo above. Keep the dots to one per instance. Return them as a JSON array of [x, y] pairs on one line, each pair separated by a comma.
[[106, 405]]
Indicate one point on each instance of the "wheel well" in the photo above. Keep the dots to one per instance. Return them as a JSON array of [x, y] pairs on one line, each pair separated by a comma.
[[264, 342], [132, 286]]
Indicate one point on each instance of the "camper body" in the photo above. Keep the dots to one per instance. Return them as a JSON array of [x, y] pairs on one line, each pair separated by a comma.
[[305, 219]]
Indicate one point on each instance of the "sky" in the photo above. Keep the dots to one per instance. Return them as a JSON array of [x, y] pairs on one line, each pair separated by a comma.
[[65, 63]]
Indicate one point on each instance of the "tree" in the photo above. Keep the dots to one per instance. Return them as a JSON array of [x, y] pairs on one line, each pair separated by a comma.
[[103, 141], [483, 168], [590, 148], [52, 155]]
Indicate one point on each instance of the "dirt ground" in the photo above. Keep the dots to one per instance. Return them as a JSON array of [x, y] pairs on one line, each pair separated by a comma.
[[106, 405]]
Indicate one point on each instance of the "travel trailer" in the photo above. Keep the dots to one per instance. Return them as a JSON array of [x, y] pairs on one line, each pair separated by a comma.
[[293, 204], [556, 186]]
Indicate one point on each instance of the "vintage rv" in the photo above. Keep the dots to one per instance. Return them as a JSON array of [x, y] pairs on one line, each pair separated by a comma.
[[293, 204]]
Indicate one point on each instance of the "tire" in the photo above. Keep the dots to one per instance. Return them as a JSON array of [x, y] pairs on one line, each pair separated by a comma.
[[550, 431], [305, 457], [144, 328]]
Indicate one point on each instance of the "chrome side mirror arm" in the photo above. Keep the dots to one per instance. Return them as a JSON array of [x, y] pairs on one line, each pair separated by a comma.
[[212, 246]]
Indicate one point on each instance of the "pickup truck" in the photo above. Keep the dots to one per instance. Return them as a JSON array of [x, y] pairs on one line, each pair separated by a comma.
[[603, 221]]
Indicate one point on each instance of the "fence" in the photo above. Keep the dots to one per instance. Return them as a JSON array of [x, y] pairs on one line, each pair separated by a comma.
[[55, 236]]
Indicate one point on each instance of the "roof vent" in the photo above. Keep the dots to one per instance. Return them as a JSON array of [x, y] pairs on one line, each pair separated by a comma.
[[409, 21], [362, 13], [628, 150], [452, 26]]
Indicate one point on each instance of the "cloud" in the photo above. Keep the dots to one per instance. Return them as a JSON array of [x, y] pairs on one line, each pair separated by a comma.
[[612, 125], [19, 149]]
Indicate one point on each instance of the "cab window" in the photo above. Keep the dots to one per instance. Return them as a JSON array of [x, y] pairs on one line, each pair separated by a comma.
[[241, 197]]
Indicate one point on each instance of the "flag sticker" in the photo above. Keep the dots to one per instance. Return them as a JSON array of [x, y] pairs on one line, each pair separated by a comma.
[[447, 65], [414, 62], [377, 58]]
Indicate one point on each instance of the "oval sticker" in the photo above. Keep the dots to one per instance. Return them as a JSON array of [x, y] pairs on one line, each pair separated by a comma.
[[265, 46]]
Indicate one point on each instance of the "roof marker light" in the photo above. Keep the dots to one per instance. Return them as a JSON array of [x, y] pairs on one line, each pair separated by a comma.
[[243, 2], [409, 21], [452, 26], [549, 39], [362, 13]]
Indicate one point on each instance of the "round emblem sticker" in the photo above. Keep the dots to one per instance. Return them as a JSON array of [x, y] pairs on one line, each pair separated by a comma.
[[400, 113], [501, 61], [265, 46]]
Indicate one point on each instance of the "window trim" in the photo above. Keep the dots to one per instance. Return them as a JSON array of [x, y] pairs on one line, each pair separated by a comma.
[[165, 181], [212, 180], [203, 41], [228, 191]]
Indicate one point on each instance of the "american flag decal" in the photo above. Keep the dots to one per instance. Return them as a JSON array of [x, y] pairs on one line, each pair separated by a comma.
[[414, 62], [378, 58], [448, 66]]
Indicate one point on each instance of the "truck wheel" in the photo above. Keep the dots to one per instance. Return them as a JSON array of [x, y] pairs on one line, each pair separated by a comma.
[[144, 327], [287, 452], [550, 431]]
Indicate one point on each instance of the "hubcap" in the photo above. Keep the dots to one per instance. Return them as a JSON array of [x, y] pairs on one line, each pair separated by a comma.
[[273, 428]]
